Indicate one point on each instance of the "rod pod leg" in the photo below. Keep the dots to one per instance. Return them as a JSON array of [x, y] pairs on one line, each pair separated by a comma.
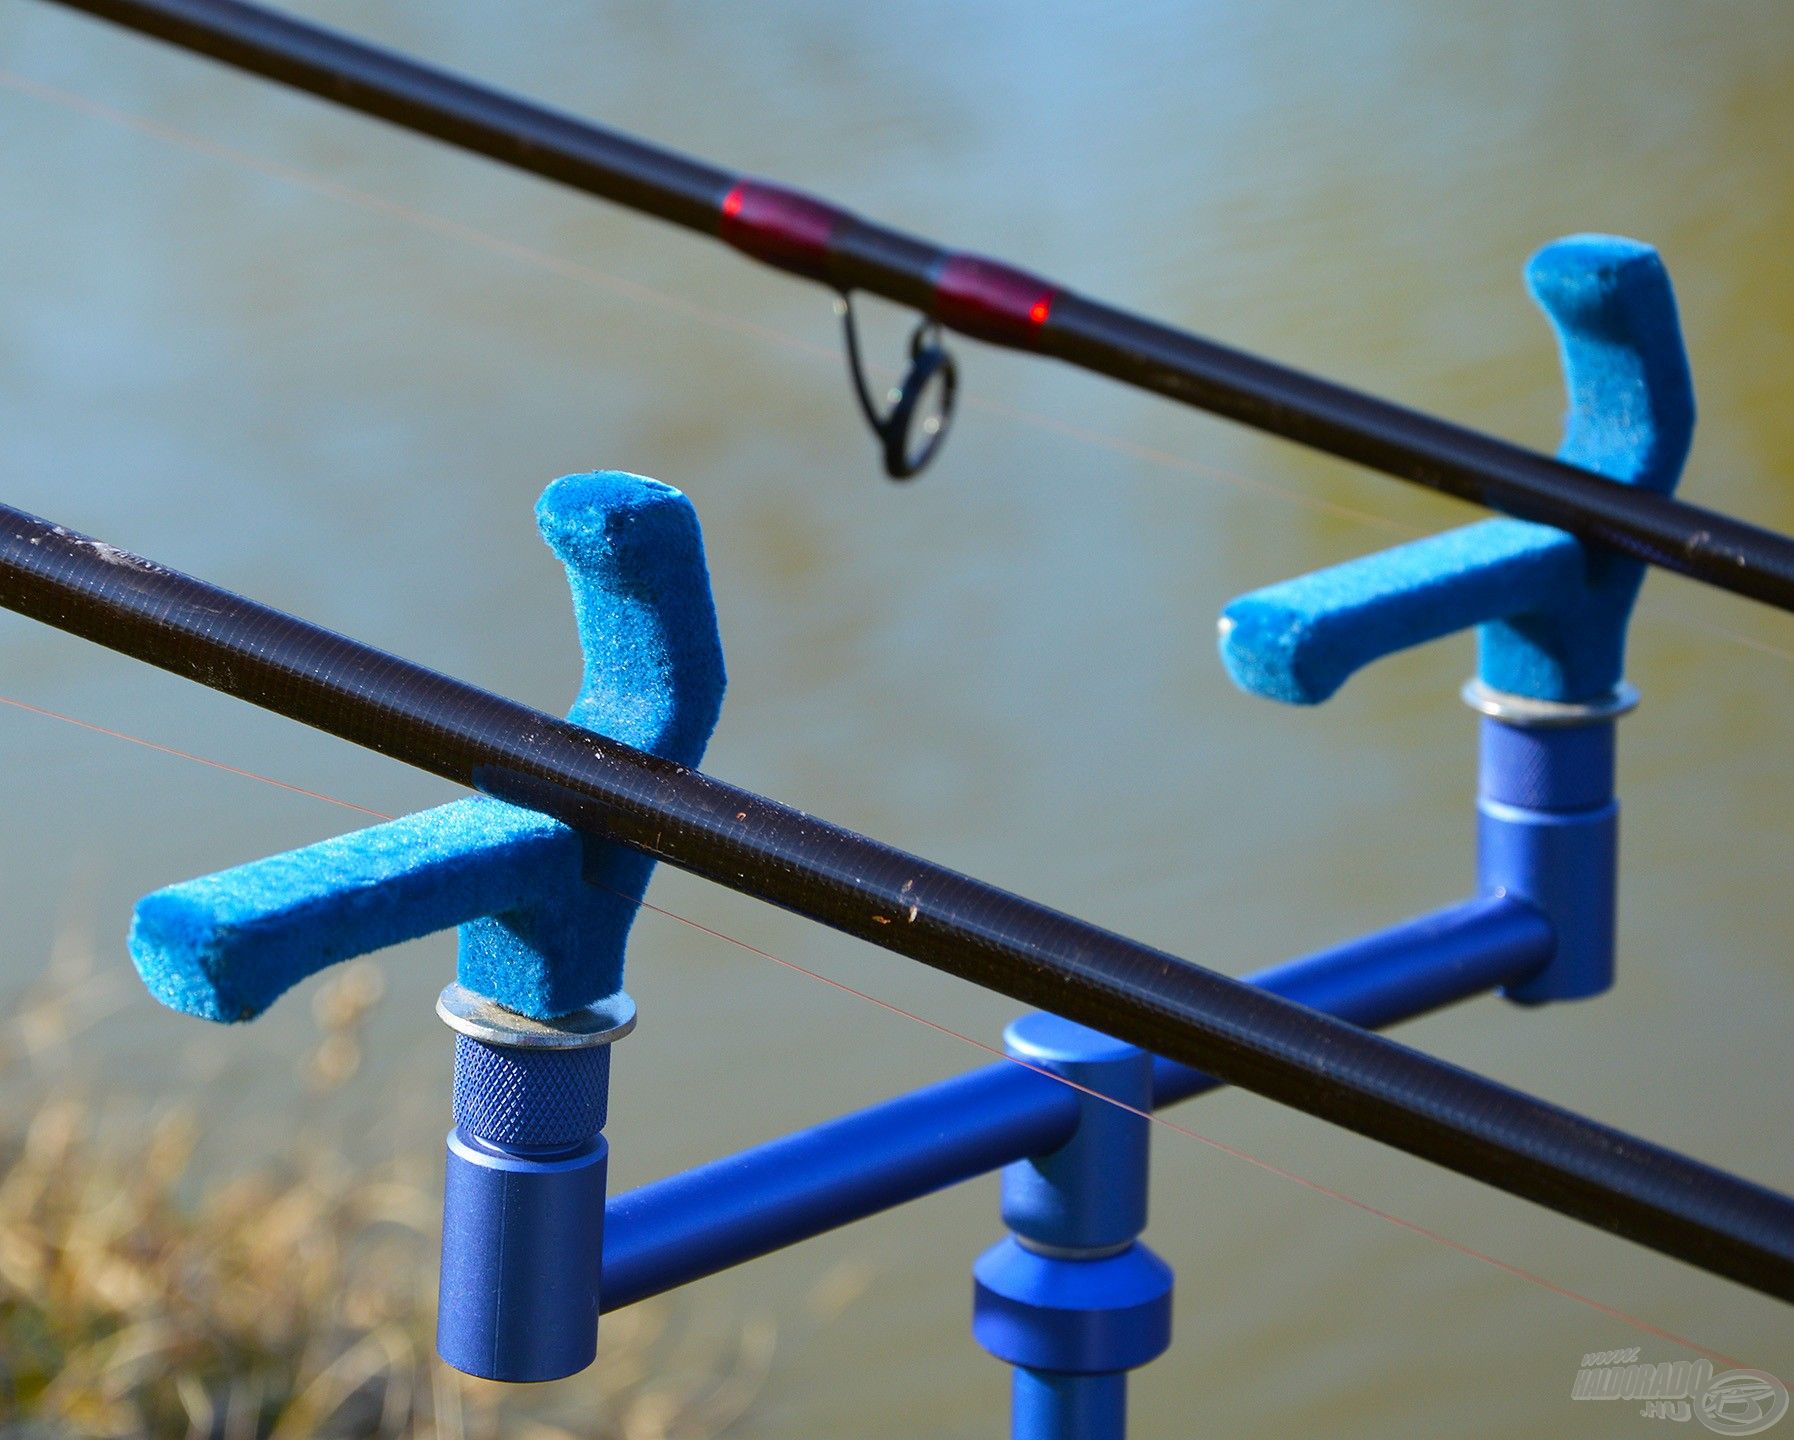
[[1072, 1299]]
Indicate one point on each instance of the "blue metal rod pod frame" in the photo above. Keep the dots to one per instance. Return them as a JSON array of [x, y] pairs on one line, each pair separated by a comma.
[[713, 1216]]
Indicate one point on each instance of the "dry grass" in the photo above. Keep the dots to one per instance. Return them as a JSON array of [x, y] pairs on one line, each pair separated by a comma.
[[139, 1298]]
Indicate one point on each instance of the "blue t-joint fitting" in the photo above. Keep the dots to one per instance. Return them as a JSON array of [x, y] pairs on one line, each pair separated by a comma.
[[543, 914], [1071, 1298], [1551, 612], [1089, 1195]]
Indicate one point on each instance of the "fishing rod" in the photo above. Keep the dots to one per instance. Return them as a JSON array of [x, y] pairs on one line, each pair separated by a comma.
[[983, 298], [1235, 1032]]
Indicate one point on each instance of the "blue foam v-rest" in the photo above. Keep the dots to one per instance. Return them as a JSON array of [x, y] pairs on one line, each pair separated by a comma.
[[543, 913], [1552, 612]]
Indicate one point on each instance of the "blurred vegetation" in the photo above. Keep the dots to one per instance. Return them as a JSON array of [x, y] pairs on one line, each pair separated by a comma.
[[141, 1298]]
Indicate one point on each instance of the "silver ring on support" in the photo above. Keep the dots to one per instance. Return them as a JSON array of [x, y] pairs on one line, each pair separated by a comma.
[[490, 1023], [1525, 713], [1072, 1252]]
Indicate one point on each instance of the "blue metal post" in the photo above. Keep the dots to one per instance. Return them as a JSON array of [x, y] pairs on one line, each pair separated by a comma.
[[523, 1190], [1548, 829], [1072, 1299], [1046, 1403]]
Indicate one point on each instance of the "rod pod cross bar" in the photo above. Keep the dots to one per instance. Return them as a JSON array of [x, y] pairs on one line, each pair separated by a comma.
[[1039, 956], [976, 296]]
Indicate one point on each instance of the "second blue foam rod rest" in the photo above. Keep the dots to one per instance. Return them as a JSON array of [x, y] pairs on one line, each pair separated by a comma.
[[1551, 612], [543, 915]]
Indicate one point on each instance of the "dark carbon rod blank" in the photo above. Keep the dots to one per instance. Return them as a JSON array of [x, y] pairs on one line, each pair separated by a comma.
[[1232, 1031], [983, 298]]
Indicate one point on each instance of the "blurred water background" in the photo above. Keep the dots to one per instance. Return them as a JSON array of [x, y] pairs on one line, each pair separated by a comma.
[[220, 353]]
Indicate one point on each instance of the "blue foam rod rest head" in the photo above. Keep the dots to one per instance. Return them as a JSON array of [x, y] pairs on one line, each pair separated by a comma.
[[1552, 613], [543, 913]]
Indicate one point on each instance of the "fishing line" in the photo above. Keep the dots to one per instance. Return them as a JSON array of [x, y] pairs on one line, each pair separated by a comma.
[[1267, 1166], [410, 215], [189, 755], [1762, 647], [642, 294]]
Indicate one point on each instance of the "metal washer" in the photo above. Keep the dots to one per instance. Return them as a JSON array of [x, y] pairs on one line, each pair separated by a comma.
[[1525, 713], [490, 1023]]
